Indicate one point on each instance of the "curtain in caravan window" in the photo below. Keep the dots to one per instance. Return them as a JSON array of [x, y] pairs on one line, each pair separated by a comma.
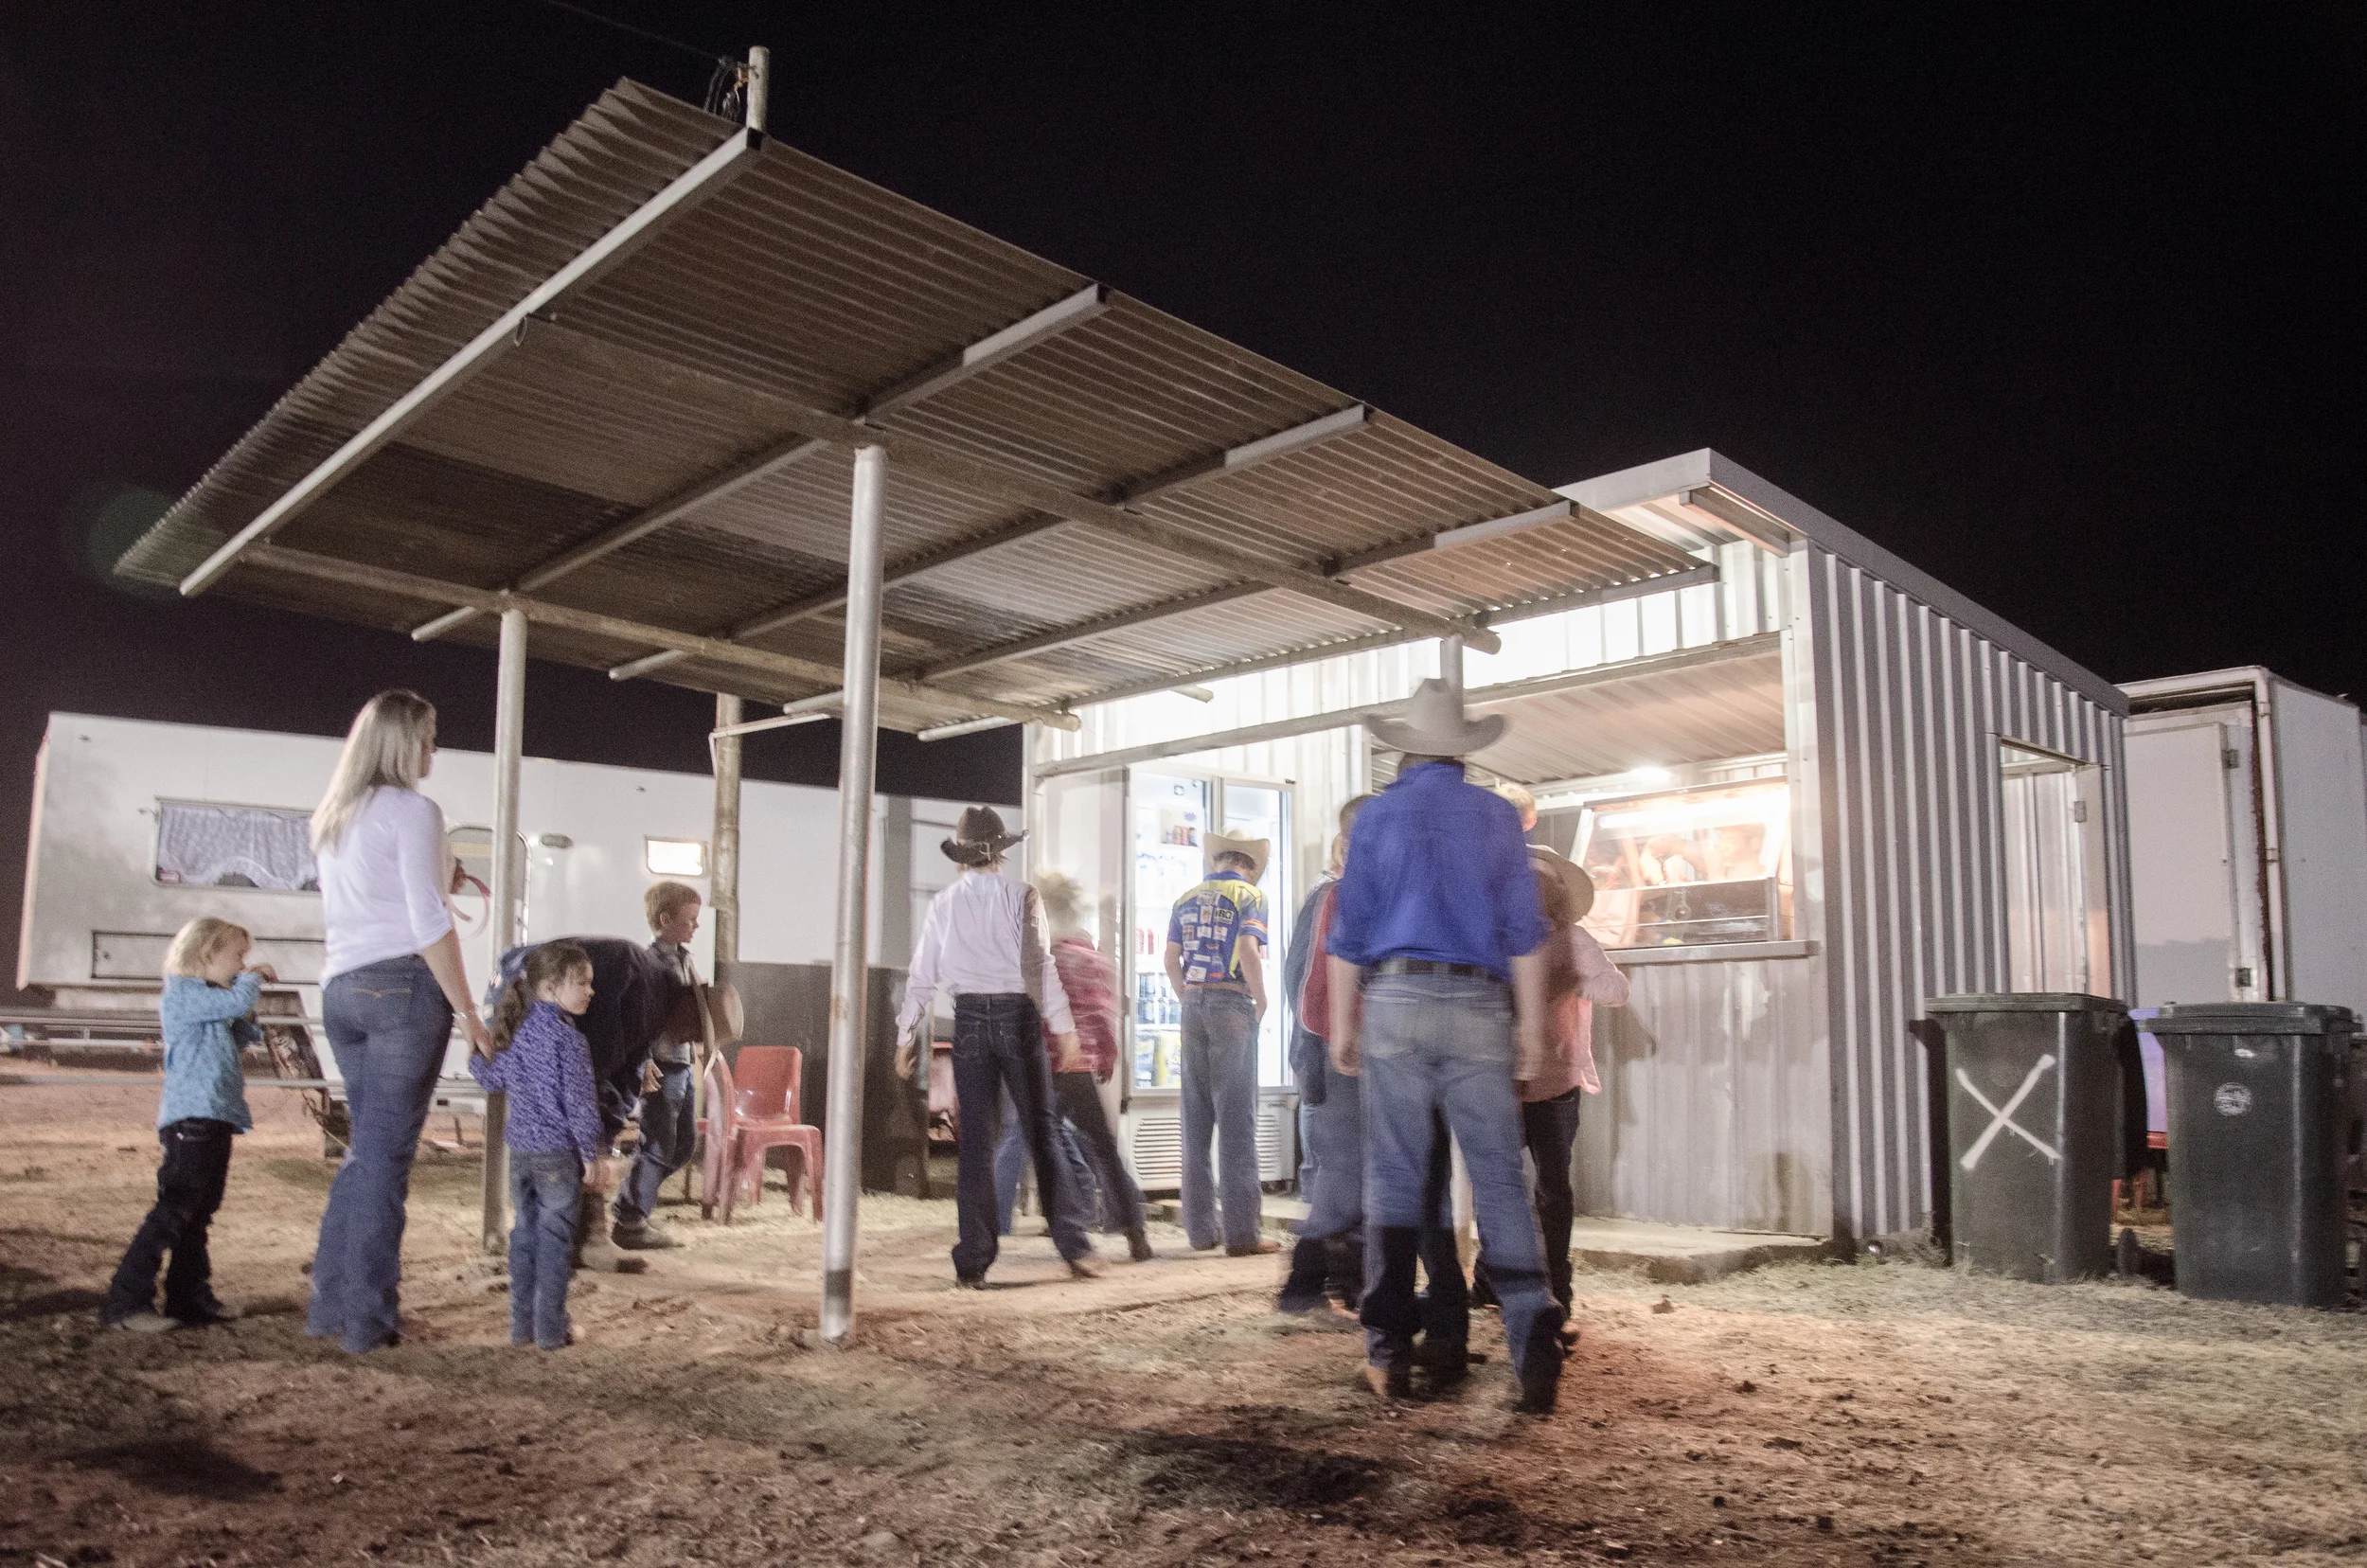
[[201, 846]]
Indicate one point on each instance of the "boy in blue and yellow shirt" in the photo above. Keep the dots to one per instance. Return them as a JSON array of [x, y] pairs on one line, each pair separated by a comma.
[[1217, 962]]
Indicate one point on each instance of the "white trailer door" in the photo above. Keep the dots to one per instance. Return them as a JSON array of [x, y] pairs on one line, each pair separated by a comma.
[[2321, 844], [2190, 853]]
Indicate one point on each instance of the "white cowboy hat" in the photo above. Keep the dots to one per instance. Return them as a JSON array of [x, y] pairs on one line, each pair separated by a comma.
[[1213, 845], [1435, 724]]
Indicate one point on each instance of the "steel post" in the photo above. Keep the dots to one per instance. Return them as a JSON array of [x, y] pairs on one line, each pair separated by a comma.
[[842, 1155], [1451, 664], [510, 734], [724, 870], [760, 85]]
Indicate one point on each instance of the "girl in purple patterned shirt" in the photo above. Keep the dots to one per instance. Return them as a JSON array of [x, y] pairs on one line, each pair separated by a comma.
[[543, 1065]]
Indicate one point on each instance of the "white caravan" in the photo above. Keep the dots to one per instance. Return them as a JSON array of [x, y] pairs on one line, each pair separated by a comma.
[[138, 828]]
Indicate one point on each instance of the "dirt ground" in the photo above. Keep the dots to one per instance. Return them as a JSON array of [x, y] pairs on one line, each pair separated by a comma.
[[1880, 1414]]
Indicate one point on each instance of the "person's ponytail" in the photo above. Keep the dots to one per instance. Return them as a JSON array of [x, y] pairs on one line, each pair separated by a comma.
[[546, 965]]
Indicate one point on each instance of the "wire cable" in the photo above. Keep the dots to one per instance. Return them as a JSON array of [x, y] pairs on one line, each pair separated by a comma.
[[721, 60]]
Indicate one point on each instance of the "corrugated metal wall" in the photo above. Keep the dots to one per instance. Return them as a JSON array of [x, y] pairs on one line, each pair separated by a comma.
[[1909, 710], [1716, 1092]]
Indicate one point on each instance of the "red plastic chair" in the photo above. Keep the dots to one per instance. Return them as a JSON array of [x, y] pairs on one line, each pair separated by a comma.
[[750, 1113]]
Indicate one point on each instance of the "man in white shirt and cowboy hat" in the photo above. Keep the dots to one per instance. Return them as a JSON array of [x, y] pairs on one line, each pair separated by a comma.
[[985, 941], [1216, 962]]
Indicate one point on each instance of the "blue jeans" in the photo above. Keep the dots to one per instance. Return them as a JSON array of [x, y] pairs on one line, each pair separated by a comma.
[[543, 1189], [1444, 1043], [998, 1048], [388, 1023], [669, 1129], [1219, 1105], [1335, 1191], [1010, 1158]]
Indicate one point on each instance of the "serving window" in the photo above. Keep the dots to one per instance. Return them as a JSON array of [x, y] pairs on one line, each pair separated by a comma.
[[1689, 867]]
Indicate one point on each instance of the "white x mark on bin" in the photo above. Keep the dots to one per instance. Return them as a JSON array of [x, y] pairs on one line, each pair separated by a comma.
[[2004, 1119]]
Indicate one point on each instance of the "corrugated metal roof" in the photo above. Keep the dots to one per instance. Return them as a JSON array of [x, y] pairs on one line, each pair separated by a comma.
[[1703, 713], [789, 301]]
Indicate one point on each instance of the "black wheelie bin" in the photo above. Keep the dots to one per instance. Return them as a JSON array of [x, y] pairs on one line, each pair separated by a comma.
[[2039, 1091], [2261, 1120]]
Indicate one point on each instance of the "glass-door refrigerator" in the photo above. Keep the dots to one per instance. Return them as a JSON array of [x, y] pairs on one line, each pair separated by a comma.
[[1169, 814]]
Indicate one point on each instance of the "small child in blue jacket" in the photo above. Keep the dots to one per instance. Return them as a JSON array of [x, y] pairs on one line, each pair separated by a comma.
[[543, 1065], [205, 1009]]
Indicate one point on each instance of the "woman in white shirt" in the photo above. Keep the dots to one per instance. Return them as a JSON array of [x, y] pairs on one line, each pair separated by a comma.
[[392, 985]]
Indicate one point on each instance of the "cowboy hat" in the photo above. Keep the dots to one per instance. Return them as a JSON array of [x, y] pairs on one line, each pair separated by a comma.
[[980, 837], [1213, 845], [1435, 724], [1563, 885]]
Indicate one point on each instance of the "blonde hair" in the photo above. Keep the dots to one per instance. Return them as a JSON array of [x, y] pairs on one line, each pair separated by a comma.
[[1522, 800], [661, 899], [195, 944], [1338, 861], [1063, 900], [381, 751]]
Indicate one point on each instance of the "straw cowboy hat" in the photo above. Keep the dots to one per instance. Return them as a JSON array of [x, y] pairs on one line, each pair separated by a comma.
[[979, 838], [1213, 845], [1563, 885], [1435, 724]]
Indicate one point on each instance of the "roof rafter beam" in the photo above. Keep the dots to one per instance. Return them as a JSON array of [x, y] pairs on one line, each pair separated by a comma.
[[712, 487], [493, 601], [1450, 539], [987, 352], [984, 478], [1232, 461], [1347, 418], [700, 181], [1063, 637], [1248, 455], [990, 351], [830, 599], [981, 477]]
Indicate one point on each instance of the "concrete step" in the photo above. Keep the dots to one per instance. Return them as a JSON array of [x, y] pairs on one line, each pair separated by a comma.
[[1667, 1255]]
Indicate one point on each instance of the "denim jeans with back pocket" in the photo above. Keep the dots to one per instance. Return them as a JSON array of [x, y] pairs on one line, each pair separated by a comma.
[[543, 1189], [1219, 1107], [388, 1024], [1441, 1045]]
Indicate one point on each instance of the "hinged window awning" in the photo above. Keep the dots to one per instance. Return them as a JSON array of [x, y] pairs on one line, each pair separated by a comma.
[[625, 396]]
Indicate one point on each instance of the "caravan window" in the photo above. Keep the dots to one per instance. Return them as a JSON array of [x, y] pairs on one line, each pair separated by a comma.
[[203, 844]]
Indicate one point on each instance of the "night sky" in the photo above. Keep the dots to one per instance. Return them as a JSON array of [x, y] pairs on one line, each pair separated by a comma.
[[2064, 309]]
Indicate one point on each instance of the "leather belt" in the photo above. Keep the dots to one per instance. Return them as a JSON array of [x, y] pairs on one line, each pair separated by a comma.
[[1432, 965]]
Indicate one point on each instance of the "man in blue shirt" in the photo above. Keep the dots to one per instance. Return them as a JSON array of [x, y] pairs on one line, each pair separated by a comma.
[[1216, 962], [1438, 919]]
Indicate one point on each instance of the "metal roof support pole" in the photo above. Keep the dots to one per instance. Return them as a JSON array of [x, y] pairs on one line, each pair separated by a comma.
[[510, 736], [724, 870], [1451, 664], [842, 1143], [759, 80]]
